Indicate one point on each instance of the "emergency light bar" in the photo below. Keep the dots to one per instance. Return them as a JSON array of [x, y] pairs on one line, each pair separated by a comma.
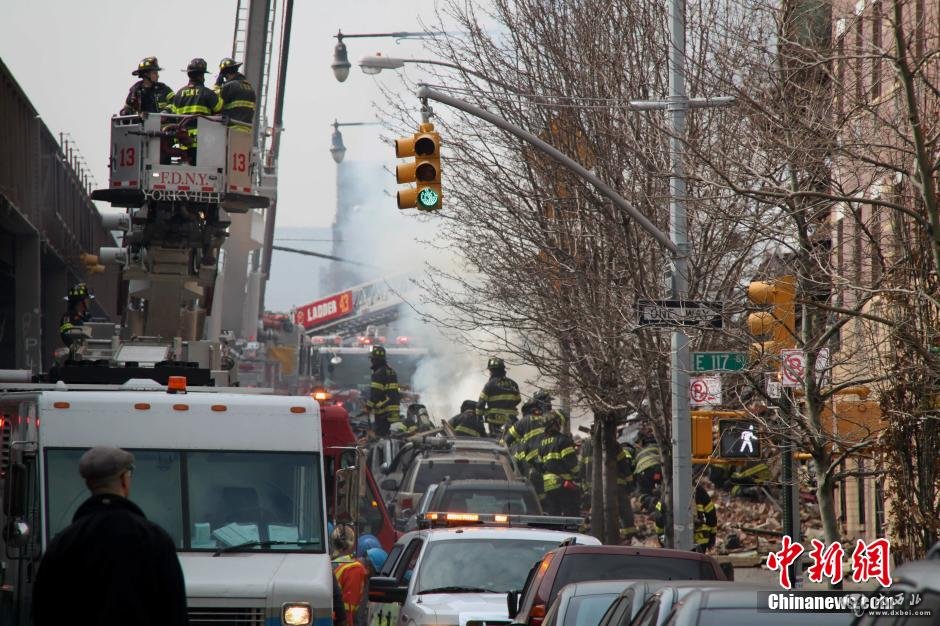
[[443, 519]]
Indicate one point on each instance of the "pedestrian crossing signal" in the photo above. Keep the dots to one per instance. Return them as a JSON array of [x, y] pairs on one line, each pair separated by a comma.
[[738, 439]]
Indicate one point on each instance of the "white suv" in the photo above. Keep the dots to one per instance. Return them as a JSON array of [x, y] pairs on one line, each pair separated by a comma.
[[456, 576]]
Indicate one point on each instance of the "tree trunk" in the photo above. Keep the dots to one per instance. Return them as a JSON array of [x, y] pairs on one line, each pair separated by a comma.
[[611, 508], [827, 506], [597, 479]]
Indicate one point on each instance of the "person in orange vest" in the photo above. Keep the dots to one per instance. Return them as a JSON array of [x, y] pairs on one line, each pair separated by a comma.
[[350, 572]]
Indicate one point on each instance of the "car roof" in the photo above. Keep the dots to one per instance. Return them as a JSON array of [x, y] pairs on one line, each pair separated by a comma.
[[735, 598], [637, 551], [596, 587], [497, 532], [918, 574]]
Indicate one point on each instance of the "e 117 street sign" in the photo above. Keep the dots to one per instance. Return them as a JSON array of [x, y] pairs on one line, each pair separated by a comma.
[[718, 361], [679, 313]]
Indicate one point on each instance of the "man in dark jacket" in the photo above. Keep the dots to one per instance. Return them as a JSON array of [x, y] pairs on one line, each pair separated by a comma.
[[519, 435], [384, 397], [467, 423], [499, 398], [558, 461], [111, 565], [238, 96], [195, 99], [148, 95]]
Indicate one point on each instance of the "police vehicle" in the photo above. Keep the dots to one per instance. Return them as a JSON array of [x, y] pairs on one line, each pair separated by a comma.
[[459, 572]]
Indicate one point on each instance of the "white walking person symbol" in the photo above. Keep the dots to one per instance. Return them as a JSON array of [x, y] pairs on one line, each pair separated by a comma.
[[747, 440]]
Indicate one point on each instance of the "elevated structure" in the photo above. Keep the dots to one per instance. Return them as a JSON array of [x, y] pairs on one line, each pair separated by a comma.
[[47, 221]]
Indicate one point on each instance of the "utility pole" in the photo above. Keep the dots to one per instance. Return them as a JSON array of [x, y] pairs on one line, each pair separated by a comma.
[[679, 233]]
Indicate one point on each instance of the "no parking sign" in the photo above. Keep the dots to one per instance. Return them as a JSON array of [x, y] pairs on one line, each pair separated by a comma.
[[704, 390]]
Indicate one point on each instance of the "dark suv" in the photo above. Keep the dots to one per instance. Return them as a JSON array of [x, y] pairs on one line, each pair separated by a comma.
[[574, 564]]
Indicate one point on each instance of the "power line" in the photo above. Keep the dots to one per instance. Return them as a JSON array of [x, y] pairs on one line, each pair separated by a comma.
[[319, 255]]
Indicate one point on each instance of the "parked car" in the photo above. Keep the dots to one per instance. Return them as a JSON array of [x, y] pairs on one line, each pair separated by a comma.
[[631, 600], [461, 575], [659, 603], [738, 607], [920, 579], [433, 459], [583, 604], [573, 564]]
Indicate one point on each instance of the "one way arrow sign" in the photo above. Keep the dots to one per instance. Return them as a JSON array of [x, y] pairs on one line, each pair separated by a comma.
[[679, 313]]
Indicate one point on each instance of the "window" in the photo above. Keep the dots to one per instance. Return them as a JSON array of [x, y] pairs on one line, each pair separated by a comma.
[[649, 612], [489, 501], [876, 50], [209, 500], [430, 472], [496, 565], [577, 568], [588, 610]]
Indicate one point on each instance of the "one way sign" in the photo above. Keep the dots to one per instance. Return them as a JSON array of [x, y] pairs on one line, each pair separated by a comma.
[[679, 313]]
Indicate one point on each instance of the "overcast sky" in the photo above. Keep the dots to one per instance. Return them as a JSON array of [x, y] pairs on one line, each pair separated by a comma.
[[74, 60]]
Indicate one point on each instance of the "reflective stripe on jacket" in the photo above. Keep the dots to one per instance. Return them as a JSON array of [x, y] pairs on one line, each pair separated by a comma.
[[498, 400], [351, 575], [384, 396], [196, 99], [238, 99], [647, 458], [558, 460]]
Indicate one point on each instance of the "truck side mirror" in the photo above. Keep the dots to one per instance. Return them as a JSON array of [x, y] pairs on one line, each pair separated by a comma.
[[389, 484], [512, 603], [386, 589], [346, 508], [14, 497]]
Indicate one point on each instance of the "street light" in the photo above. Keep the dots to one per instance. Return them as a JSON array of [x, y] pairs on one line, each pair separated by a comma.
[[341, 65], [337, 147], [374, 64]]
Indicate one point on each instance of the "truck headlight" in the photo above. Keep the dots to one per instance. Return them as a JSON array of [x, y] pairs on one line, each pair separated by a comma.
[[296, 614]]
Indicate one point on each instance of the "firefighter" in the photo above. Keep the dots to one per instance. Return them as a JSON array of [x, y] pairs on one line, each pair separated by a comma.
[[705, 521], [238, 96], [384, 398], [519, 435], [195, 99], [467, 423], [148, 95], [647, 467], [499, 398], [748, 481], [349, 571], [77, 312], [625, 484], [558, 461]]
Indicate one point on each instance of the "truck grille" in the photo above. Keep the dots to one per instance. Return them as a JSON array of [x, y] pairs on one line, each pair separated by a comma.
[[226, 616]]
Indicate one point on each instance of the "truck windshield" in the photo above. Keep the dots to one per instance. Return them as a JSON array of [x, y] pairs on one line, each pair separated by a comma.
[[491, 565], [271, 500]]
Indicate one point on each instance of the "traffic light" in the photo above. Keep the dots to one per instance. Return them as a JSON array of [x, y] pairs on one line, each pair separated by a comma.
[[425, 170], [778, 321], [90, 261]]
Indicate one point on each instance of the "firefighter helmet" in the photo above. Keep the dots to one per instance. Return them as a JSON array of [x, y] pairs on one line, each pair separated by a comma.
[[79, 292], [378, 352], [468, 405], [148, 64], [556, 418], [197, 66], [228, 64], [541, 397], [495, 363]]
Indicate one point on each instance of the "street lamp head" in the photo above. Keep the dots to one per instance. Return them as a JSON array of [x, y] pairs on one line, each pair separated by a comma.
[[340, 64], [374, 64], [338, 149]]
